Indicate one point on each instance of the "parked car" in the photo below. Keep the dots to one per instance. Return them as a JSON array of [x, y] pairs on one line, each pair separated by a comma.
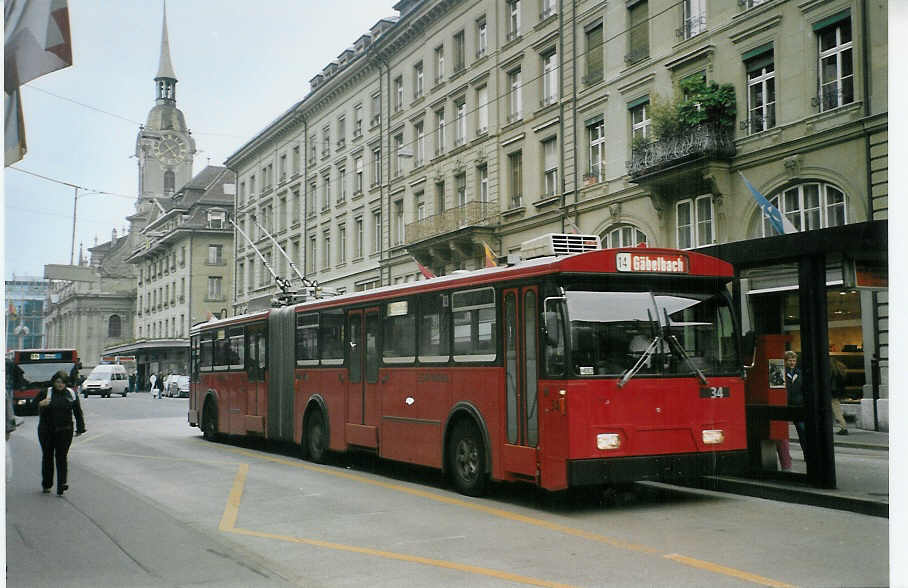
[[106, 379], [177, 386]]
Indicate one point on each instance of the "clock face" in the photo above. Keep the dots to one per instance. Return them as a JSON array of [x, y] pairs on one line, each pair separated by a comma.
[[171, 149]]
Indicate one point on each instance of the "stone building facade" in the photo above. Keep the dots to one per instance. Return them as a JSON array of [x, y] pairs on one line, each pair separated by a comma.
[[457, 124]]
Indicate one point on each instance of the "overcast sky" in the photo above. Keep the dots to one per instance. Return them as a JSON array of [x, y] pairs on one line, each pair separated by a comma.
[[239, 65]]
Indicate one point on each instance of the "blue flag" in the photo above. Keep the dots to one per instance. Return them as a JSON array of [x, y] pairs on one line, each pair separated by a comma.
[[781, 224]]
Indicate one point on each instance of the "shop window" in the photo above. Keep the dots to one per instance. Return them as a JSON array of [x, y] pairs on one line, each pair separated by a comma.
[[809, 206]]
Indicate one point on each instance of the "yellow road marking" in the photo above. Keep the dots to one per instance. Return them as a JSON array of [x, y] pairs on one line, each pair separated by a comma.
[[439, 563], [715, 568], [161, 457], [228, 519], [711, 567]]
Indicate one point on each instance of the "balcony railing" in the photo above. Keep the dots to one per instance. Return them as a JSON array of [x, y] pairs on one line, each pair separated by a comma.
[[470, 214], [705, 140]]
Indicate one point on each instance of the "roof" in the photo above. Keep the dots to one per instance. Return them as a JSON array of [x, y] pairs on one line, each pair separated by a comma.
[[165, 68]]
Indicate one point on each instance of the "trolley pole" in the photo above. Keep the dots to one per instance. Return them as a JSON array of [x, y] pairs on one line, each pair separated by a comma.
[[72, 249]]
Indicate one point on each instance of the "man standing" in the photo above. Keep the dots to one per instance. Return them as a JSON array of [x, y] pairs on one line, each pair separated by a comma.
[[153, 379]]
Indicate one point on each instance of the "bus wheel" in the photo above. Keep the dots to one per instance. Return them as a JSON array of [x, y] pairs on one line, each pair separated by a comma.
[[315, 442], [467, 459], [210, 421]]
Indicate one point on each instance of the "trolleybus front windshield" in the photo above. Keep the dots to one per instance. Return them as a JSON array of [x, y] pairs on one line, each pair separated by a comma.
[[611, 331]]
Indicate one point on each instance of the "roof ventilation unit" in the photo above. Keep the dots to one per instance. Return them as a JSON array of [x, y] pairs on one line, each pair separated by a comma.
[[559, 244]]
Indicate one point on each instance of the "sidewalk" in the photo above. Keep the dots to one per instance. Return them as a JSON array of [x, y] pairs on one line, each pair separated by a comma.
[[862, 477]]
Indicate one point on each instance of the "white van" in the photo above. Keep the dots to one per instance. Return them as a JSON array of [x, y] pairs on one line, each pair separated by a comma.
[[106, 379]]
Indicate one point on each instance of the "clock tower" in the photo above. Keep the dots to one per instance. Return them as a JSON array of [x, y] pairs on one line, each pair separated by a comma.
[[164, 145]]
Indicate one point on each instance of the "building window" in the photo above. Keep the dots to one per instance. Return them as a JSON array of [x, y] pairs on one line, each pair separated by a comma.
[[398, 93], [310, 199], [638, 39], [483, 174], [549, 78], [515, 174], [216, 219], [376, 166], [460, 189], [396, 158], [439, 197], [548, 9], [326, 249], [761, 93], [420, 156], [513, 19], [640, 122], [295, 213], [214, 287], [252, 186], [357, 121], [399, 222], [215, 254], [341, 243], [515, 103], [295, 162], [624, 236], [169, 182], [439, 131], [311, 255], [341, 132], [357, 175], [326, 142], [809, 206], [358, 238], [417, 80], [695, 222], [594, 54], [114, 328], [241, 278], [376, 110], [550, 167], [313, 148], [341, 184], [835, 65], [596, 133], [439, 64], [326, 192], [460, 122], [482, 110], [282, 167], [419, 205], [459, 58], [693, 18], [282, 214], [482, 37]]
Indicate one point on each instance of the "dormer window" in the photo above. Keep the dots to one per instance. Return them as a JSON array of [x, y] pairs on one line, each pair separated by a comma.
[[216, 219]]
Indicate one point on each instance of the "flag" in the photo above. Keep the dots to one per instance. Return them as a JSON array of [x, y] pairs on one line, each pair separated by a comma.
[[12, 311], [781, 224], [426, 272], [36, 42], [489, 256]]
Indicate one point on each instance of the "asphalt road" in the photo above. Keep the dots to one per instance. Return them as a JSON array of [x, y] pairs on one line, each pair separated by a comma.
[[153, 504]]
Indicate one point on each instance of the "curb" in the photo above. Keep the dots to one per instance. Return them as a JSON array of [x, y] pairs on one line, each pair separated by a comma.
[[797, 495]]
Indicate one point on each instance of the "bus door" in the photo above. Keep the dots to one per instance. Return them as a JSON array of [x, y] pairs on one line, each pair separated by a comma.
[[361, 427], [521, 313], [255, 361]]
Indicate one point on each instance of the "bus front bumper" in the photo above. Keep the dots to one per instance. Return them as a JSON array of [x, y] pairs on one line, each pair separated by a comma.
[[655, 468]]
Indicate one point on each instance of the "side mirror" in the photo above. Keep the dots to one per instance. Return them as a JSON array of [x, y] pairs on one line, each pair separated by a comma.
[[749, 348]]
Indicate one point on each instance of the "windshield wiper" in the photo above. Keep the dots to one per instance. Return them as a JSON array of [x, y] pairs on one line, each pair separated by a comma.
[[644, 357], [680, 349]]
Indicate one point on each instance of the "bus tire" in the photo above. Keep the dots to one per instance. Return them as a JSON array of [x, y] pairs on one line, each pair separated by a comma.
[[467, 459], [314, 446], [210, 420]]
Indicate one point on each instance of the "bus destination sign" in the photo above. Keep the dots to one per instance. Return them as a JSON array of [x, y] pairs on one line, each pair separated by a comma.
[[627, 261]]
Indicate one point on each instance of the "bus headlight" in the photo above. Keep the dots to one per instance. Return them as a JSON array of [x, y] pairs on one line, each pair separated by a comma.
[[608, 440], [713, 436]]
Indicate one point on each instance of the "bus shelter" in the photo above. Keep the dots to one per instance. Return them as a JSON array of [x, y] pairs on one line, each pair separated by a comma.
[[810, 268]]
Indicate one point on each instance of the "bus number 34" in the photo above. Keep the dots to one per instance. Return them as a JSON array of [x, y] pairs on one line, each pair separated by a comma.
[[715, 392]]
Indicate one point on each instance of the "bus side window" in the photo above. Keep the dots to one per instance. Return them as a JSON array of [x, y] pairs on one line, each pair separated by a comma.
[[475, 327], [236, 348], [331, 336], [434, 328], [399, 332], [307, 339]]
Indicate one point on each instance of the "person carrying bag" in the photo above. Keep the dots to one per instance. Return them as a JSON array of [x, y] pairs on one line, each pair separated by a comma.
[[56, 408]]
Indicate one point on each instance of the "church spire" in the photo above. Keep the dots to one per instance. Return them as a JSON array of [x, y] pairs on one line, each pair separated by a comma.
[[166, 80]]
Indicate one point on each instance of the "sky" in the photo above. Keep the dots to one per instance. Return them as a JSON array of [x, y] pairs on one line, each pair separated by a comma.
[[239, 65]]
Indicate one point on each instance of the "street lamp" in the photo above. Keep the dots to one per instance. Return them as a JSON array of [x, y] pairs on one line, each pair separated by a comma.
[[72, 250], [21, 331]]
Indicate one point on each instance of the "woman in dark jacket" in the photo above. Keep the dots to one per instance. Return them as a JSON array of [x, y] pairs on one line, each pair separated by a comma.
[[56, 408]]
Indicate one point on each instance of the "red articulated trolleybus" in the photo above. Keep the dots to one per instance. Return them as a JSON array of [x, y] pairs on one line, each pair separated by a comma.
[[30, 371], [581, 366]]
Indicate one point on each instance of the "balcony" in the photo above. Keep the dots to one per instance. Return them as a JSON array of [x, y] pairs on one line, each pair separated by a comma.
[[449, 236], [683, 162], [453, 219]]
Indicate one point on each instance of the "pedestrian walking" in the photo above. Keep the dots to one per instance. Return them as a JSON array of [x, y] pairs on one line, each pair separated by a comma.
[[152, 379], [794, 384], [56, 408], [11, 423], [837, 371], [160, 384]]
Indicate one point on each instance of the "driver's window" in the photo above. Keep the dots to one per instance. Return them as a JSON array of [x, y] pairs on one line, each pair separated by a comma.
[[553, 328]]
